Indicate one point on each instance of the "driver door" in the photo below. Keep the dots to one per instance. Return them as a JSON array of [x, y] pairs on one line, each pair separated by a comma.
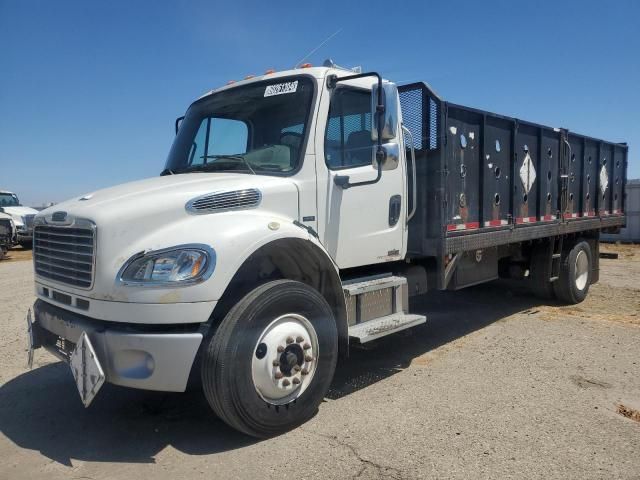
[[366, 224]]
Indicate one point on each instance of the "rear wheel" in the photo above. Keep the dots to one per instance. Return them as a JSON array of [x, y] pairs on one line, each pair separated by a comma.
[[272, 359], [575, 274]]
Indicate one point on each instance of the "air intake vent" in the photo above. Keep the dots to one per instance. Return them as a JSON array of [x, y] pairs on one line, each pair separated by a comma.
[[224, 201]]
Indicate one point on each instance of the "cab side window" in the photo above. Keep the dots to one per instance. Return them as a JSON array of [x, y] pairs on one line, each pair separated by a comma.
[[348, 141]]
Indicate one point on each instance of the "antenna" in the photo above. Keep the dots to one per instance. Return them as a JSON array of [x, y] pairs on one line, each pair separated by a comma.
[[318, 47]]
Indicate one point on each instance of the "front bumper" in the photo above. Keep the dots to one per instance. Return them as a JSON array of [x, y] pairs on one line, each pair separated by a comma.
[[149, 357], [24, 235]]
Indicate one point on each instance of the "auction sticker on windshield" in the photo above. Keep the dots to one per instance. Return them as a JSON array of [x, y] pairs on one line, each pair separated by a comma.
[[281, 88]]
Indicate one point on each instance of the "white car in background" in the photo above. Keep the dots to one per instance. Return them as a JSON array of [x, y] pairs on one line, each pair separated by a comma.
[[22, 216]]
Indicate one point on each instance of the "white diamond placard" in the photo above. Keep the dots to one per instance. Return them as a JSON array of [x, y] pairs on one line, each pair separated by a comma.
[[527, 173], [604, 179]]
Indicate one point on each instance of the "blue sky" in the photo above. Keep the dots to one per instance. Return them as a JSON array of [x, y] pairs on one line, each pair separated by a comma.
[[89, 90]]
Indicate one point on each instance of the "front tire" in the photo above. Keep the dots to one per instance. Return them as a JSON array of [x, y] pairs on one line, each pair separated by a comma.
[[575, 274], [272, 359]]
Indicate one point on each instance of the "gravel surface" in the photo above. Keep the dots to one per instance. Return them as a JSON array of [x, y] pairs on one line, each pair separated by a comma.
[[495, 385]]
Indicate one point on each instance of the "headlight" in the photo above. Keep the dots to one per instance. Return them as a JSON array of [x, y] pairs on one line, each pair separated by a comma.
[[171, 266]]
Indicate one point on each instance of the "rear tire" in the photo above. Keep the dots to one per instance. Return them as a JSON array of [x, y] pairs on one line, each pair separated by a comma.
[[253, 374], [575, 274]]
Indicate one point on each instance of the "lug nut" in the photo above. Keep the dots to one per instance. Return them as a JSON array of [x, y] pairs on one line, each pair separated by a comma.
[[280, 349], [299, 339], [308, 358], [306, 346], [296, 368], [286, 383], [278, 375], [289, 340], [276, 363], [296, 380], [304, 371]]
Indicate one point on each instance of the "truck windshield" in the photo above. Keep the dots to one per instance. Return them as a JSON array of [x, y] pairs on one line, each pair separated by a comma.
[[9, 200], [258, 128]]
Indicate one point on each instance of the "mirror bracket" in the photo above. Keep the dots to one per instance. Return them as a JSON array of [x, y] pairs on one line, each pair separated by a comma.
[[178, 121], [342, 181]]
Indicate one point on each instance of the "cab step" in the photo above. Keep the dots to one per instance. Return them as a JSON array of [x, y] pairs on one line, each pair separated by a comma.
[[373, 329], [378, 306]]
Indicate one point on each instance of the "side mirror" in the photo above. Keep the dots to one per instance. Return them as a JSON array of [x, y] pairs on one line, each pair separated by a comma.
[[386, 125], [1, 210], [178, 122], [391, 158]]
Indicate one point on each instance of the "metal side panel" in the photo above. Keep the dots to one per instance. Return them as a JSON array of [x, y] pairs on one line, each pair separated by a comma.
[[373, 329]]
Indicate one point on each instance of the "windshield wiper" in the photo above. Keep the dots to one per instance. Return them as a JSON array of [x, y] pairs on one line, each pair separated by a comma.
[[229, 157]]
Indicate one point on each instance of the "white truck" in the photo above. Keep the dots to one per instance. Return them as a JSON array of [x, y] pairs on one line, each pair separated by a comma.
[[297, 212], [22, 216]]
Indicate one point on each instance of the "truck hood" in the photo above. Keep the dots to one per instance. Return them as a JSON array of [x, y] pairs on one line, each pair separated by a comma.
[[18, 212], [162, 198], [151, 214]]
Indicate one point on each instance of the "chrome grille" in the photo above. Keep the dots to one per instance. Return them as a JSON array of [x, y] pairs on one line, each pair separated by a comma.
[[65, 254], [223, 201]]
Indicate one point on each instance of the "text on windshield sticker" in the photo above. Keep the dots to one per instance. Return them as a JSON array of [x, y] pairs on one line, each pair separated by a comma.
[[281, 88]]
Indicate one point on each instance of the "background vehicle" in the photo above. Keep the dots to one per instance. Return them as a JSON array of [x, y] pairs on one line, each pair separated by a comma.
[[298, 212], [22, 216], [7, 234]]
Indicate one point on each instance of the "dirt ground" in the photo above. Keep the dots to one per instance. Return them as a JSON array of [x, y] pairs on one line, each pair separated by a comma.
[[17, 254], [494, 385]]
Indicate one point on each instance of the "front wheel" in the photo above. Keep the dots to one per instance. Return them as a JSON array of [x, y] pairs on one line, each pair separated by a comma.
[[272, 359]]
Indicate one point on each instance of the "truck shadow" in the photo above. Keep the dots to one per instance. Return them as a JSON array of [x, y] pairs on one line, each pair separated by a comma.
[[450, 315], [40, 410]]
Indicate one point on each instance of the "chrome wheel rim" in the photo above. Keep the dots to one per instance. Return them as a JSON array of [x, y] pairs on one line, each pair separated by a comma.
[[582, 270], [284, 359]]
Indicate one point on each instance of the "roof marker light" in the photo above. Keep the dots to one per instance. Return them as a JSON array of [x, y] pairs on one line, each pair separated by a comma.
[[270, 71], [249, 77], [306, 65], [231, 82]]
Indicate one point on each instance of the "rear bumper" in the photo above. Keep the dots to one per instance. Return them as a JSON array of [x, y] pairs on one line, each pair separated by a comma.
[[150, 357]]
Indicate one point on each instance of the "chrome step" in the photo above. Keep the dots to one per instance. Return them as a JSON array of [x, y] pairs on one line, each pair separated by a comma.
[[375, 297], [375, 284], [373, 329]]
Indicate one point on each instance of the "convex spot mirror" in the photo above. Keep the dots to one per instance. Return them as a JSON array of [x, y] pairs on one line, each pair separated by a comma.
[[391, 158], [388, 127]]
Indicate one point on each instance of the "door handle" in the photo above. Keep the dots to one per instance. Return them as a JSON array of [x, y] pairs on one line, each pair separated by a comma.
[[395, 203]]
